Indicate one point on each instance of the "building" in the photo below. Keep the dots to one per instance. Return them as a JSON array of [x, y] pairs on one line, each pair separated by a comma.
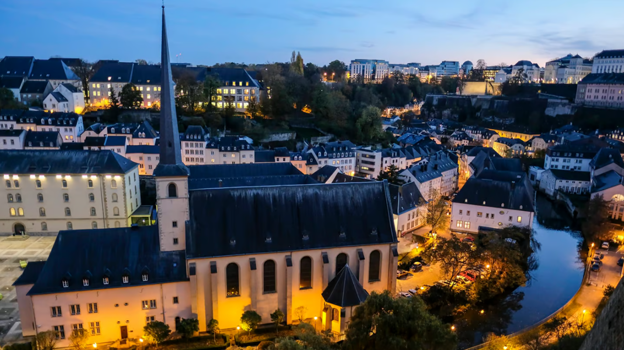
[[69, 125], [466, 67], [448, 68], [33, 91], [340, 154], [237, 89], [112, 143], [115, 75], [609, 61], [514, 134], [489, 73], [13, 84], [567, 70], [493, 200], [65, 98], [434, 175], [530, 72], [566, 181], [605, 90], [408, 207], [369, 70], [146, 156], [199, 148], [370, 163], [575, 156], [509, 147], [50, 191], [542, 142], [19, 139], [410, 69], [218, 251]]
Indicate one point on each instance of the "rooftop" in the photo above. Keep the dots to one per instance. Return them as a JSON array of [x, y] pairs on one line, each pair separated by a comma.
[[499, 189], [63, 162]]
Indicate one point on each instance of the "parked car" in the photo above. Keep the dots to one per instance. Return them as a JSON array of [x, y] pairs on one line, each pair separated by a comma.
[[595, 267], [405, 295], [412, 291], [596, 260], [620, 261], [469, 275], [599, 256], [468, 239], [416, 267], [401, 273], [605, 245], [463, 280]]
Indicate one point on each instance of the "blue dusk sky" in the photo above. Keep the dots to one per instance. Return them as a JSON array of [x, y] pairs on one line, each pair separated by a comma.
[[208, 31]]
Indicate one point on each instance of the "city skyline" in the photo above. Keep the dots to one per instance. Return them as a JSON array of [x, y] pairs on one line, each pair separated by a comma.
[[209, 33]]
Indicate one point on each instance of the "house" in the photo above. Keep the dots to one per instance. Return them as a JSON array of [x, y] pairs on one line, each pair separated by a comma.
[[33, 91], [50, 140], [14, 84], [493, 200], [602, 90], [609, 61], [370, 163], [71, 97], [509, 147], [575, 155], [408, 207], [69, 125], [567, 70], [566, 181], [115, 75], [56, 102], [146, 156], [436, 174], [340, 154], [116, 144], [136, 134], [56, 72], [609, 186], [12, 139]]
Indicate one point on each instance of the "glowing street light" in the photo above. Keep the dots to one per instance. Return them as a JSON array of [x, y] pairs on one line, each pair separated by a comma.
[[453, 328], [141, 340], [482, 311], [95, 345]]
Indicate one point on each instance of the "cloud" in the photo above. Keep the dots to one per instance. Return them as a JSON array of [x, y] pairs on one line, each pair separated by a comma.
[[557, 42], [367, 44]]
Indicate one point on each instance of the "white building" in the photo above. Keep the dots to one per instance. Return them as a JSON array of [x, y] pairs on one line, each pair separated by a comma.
[[435, 174], [146, 156], [566, 181], [116, 75], [604, 90], [575, 156], [406, 69], [609, 61], [68, 125], [67, 190], [370, 163], [531, 70], [409, 208], [369, 70], [340, 154], [448, 68], [65, 98], [567, 70], [199, 148]]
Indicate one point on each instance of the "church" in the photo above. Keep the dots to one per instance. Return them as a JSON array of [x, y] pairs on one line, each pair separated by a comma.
[[228, 239]]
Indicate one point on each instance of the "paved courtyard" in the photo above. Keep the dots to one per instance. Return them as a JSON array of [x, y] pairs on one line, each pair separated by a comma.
[[12, 250]]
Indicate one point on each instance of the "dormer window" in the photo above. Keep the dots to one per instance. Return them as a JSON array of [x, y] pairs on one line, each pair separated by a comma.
[[85, 282], [105, 280], [125, 279], [144, 277], [65, 283]]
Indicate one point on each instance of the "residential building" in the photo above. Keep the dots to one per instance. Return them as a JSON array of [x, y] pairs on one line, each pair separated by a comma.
[[493, 200], [427, 73], [69, 125], [370, 163], [610, 186], [448, 68], [609, 61], [567, 70], [369, 70], [514, 134], [238, 87], [605, 90], [434, 175], [575, 156], [542, 142], [116, 144], [566, 181], [509, 147], [13, 84], [56, 72], [136, 134], [486, 136], [408, 208], [33, 91], [116, 75], [146, 156], [19, 139], [198, 148], [459, 138], [54, 191], [340, 154], [65, 98]]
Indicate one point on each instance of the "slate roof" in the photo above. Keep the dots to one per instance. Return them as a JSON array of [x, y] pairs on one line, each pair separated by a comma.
[[324, 173], [264, 156], [30, 273], [146, 74], [16, 66], [63, 162], [119, 72], [342, 178], [603, 78], [221, 171], [512, 189], [606, 156], [577, 149], [509, 142], [237, 221], [233, 74], [11, 82], [195, 133], [434, 167], [345, 290], [95, 141], [147, 149], [134, 129], [523, 63], [609, 53], [58, 96], [250, 181], [404, 198], [33, 87], [11, 132], [115, 141], [605, 181], [70, 87], [51, 69], [570, 175], [34, 139], [110, 252], [476, 150]]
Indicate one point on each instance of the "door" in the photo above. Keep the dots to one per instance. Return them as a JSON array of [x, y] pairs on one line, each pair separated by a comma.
[[19, 230], [124, 332]]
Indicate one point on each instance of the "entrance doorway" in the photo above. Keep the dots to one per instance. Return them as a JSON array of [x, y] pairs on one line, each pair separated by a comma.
[[124, 334], [19, 230]]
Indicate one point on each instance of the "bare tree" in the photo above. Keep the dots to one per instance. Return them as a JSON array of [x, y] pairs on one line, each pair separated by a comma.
[[84, 70]]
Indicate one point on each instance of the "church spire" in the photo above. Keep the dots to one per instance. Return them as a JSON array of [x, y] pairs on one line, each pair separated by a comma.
[[170, 163]]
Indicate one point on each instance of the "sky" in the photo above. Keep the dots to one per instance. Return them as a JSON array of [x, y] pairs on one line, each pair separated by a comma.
[[400, 31]]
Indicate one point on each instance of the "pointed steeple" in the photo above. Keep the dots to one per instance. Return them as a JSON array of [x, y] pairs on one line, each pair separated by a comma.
[[170, 163]]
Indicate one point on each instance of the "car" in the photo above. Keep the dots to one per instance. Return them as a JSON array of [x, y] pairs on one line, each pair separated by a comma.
[[468, 240], [401, 273], [424, 288], [463, 280], [605, 245], [412, 291], [599, 256], [405, 295], [595, 267], [620, 261], [597, 260], [469, 275], [416, 267]]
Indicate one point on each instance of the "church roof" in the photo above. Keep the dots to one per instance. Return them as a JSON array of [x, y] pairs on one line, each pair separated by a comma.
[[63, 162], [288, 218], [345, 290]]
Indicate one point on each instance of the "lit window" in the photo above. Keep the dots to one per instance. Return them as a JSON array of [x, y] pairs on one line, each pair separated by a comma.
[[519, 218], [460, 223]]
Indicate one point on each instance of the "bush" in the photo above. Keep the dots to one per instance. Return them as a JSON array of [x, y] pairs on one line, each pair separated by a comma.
[[266, 345], [19, 346]]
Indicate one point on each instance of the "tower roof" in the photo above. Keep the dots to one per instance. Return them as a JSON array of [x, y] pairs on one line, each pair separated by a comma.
[[345, 290], [170, 157]]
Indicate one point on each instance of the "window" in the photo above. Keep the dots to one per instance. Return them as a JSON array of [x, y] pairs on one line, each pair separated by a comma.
[[174, 224], [175, 300], [269, 276], [16, 183], [149, 319], [65, 197], [175, 241], [20, 212], [95, 328], [305, 273], [510, 218], [56, 311], [148, 304], [125, 279], [460, 212], [468, 212], [232, 282], [12, 212], [172, 190], [74, 309], [90, 183], [115, 197], [91, 198], [85, 282], [64, 183], [144, 277], [94, 225], [373, 266], [39, 197], [92, 308], [10, 198], [113, 183], [467, 224], [42, 212], [93, 212], [70, 226], [479, 214], [116, 211], [105, 280], [18, 198], [519, 218], [44, 226], [59, 331], [67, 212], [341, 261], [38, 183]]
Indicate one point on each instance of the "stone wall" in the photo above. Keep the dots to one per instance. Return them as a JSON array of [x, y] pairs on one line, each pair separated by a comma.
[[608, 332]]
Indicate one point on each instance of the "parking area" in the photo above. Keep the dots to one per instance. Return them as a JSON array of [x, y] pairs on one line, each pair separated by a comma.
[[414, 280], [610, 272], [12, 251]]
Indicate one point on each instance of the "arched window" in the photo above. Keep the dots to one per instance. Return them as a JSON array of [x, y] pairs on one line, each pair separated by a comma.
[[67, 212], [341, 261], [232, 282], [20, 211], [373, 266], [172, 190], [41, 211], [10, 198], [39, 197], [269, 276], [90, 183], [305, 273], [44, 226], [16, 183], [117, 224], [335, 315], [8, 183], [64, 183], [93, 212], [116, 211], [18, 198], [38, 183], [114, 183], [12, 212], [115, 197], [94, 225], [70, 226], [65, 197], [91, 197]]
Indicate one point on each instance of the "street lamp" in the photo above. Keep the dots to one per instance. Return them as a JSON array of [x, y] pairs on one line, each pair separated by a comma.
[[95, 345], [453, 328], [315, 318]]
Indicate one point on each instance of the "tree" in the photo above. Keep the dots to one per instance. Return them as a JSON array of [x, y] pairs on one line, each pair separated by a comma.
[[454, 257], [300, 312], [368, 125], [495, 342], [84, 70], [250, 320], [213, 327], [141, 62], [156, 331], [79, 338], [595, 227], [391, 174], [308, 339], [481, 64], [277, 317], [46, 340], [383, 322], [187, 327], [130, 96], [534, 339], [437, 211], [211, 84], [559, 326], [190, 92], [296, 63], [7, 100], [336, 69], [253, 108]]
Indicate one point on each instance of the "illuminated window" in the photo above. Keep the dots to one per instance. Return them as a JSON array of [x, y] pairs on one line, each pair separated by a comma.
[[305, 273], [149, 96], [218, 91], [460, 223], [246, 91], [233, 84], [519, 218], [148, 89], [232, 91]]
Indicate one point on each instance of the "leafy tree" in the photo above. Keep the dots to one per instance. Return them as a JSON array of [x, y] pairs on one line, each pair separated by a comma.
[[130, 96], [481, 64], [84, 70], [336, 69], [213, 327], [211, 84], [277, 317], [250, 320], [559, 326], [391, 174], [141, 62], [383, 322], [596, 225], [296, 63], [534, 339], [453, 256], [190, 92], [253, 108], [437, 210], [495, 342], [79, 338], [187, 327], [46, 340], [156, 331], [7, 100], [308, 339], [368, 125]]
